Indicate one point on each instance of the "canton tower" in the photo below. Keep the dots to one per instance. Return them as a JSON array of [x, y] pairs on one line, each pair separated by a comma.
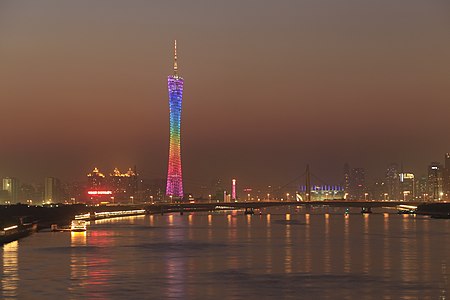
[[174, 186]]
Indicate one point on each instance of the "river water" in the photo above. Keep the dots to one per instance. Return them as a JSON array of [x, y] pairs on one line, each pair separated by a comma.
[[285, 253]]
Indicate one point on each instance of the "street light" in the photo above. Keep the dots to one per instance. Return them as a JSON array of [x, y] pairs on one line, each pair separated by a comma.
[[209, 196], [287, 196], [385, 196], [365, 196], [248, 197]]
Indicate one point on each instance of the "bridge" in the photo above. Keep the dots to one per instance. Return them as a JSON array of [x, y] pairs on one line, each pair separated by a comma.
[[366, 206], [441, 210]]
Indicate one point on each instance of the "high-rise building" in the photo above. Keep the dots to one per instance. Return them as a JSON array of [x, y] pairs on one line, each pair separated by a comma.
[[378, 190], [447, 176], [393, 182], [407, 186], [11, 186], [346, 178], [233, 189], [96, 180], [357, 186], [174, 187], [421, 187], [123, 185], [435, 181], [52, 190]]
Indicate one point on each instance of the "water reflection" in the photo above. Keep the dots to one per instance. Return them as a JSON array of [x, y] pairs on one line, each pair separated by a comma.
[[10, 276], [386, 246], [410, 254], [152, 220], [288, 247], [79, 277], [366, 246], [426, 251], [268, 252], [202, 256], [326, 248], [209, 220], [445, 281], [307, 246], [347, 243], [78, 238], [174, 260]]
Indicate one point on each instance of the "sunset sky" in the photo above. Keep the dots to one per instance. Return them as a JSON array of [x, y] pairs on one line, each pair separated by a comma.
[[269, 87]]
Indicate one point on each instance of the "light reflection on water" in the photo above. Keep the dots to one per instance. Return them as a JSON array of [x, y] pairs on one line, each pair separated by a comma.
[[10, 268], [79, 277], [284, 254]]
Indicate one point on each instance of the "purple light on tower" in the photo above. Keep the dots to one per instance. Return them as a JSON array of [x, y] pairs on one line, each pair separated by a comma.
[[233, 189], [174, 186]]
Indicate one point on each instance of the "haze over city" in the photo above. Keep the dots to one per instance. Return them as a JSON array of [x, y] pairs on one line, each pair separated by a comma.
[[269, 87], [256, 149]]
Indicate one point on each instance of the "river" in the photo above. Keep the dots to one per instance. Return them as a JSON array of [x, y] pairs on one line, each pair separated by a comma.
[[285, 253]]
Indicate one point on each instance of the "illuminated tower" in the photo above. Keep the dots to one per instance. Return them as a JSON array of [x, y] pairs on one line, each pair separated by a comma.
[[174, 186], [233, 189]]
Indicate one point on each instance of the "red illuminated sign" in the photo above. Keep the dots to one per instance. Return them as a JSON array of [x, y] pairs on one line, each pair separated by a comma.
[[99, 192]]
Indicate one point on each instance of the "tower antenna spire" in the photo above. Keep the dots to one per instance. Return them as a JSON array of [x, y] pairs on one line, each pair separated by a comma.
[[175, 65]]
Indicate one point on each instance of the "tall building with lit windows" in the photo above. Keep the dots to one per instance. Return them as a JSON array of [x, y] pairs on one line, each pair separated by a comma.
[[357, 186], [11, 186], [435, 181], [393, 182], [123, 185], [447, 176], [407, 186], [96, 180], [52, 190], [174, 187]]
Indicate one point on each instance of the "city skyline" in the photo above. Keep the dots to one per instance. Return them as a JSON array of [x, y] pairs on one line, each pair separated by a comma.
[[261, 104], [306, 157]]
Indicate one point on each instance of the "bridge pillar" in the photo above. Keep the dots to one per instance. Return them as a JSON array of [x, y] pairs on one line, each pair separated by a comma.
[[249, 211], [366, 210]]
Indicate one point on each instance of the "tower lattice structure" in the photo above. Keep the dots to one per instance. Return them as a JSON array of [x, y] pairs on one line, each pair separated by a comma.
[[174, 186]]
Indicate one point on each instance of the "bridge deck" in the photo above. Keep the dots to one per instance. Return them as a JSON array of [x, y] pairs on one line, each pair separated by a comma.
[[262, 204]]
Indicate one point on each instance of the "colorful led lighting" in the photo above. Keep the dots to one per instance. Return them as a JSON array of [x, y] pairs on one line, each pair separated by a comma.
[[174, 186]]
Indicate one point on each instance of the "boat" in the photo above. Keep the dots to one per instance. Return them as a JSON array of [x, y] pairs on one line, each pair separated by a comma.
[[78, 225], [15, 232]]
